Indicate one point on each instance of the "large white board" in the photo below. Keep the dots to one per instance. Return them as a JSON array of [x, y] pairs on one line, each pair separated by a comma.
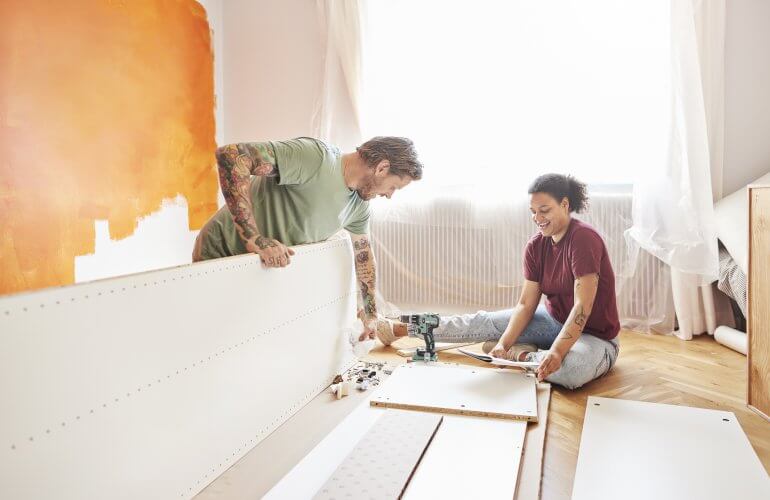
[[460, 390], [383, 461], [637, 450], [464, 455], [151, 385]]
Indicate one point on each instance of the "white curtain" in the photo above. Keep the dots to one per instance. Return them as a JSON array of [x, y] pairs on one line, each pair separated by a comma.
[[499, 93], [673, 215], [339, 109]]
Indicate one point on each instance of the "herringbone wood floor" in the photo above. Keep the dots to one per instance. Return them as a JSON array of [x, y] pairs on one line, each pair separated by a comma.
[[653, 368]]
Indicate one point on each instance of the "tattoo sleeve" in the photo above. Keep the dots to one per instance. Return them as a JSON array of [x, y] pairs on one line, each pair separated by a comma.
[[237, 163], [365, 274], [584, 293], [580, 317]]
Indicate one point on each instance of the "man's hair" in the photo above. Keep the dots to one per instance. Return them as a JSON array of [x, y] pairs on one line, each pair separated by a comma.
[[562, 186], [399, 151]]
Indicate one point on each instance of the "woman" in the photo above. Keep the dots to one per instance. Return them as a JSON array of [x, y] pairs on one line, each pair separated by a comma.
[[576, 330]]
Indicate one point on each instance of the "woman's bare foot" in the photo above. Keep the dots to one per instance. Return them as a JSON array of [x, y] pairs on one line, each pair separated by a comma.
[[519, 352]]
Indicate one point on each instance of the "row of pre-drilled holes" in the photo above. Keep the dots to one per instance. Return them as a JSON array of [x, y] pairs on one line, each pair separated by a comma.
[[217, 354], [133, 287], [155, 283]]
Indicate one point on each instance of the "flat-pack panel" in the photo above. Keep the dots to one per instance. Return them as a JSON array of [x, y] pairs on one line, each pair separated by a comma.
[[638, 450], [151, 385], [381, 464], [459, 390], [470, 457]]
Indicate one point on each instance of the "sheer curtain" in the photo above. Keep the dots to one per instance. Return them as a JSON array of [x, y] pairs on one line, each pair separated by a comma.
[[339, 110], [494, 93], [673, 200]]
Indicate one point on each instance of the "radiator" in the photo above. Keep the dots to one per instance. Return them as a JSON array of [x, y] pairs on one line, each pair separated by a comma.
[[462, 251]]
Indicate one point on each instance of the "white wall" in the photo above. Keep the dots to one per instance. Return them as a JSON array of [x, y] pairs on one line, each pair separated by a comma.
[[162, 238], [273, 68], [747, 92]]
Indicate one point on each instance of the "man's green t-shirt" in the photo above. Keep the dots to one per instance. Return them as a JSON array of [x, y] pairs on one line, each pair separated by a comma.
[[308, 201]]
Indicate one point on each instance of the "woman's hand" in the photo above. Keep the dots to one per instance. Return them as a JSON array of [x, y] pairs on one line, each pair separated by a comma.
[[550, 363], [499, 351]]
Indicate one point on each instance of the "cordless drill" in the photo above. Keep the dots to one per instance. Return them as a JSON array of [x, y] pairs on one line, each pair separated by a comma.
[[423, 325]]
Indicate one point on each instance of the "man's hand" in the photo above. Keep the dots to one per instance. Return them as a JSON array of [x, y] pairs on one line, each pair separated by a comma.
[[366, 277], [272, 252], [370, 330], [370, 326], [550, 363]]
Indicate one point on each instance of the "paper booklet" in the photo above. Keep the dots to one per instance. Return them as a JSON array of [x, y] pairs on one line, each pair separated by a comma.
[[500, 361]]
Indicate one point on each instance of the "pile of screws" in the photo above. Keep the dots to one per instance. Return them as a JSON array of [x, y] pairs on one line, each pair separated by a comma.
[[363, 375]]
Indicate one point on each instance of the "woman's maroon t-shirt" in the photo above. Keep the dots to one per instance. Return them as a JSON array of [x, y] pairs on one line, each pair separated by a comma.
[[556, 265]]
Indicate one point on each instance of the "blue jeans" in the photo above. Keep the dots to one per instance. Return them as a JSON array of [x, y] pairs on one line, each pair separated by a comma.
[[589, 358]]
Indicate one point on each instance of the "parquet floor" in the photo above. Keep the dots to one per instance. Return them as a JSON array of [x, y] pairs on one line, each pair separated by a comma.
[[661, 369]]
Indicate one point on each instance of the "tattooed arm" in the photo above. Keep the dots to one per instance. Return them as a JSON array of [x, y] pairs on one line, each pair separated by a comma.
[[237, 163], [365, 276], [585, 293]]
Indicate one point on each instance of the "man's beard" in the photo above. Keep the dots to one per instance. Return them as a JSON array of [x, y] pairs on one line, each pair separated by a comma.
[[367, 190]]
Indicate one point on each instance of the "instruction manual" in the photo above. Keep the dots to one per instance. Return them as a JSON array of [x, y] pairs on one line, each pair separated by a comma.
[[500, 361]]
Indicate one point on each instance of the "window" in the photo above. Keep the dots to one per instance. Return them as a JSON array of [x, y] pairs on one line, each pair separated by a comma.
[[496, 92]]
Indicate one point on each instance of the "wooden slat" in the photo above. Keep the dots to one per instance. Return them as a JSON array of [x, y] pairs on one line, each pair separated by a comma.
[[531, 474], [759, 301]]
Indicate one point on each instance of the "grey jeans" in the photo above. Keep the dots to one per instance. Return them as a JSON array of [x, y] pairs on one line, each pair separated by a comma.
[[589, 358]]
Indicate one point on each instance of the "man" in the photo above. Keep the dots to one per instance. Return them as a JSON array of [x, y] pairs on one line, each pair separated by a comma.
[[286, 193]]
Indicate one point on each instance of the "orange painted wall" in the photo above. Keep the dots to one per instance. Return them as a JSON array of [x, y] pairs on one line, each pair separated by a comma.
[[106, 109]]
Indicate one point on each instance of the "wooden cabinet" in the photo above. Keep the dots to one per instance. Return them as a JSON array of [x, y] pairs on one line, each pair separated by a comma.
[[758, 322]]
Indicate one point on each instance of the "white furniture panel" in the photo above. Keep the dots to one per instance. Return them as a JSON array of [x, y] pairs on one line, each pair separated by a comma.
[[383, 461], [151, 385], [636, 450], [460, 390], [470, 457]]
